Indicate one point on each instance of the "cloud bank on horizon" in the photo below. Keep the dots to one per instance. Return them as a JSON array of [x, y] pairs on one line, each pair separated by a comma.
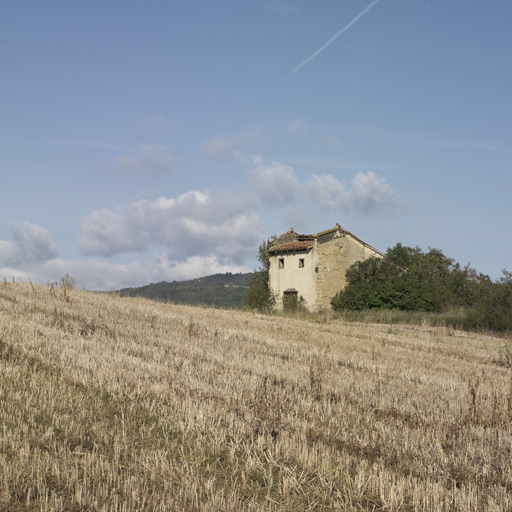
[[196, 233], [162, 149]]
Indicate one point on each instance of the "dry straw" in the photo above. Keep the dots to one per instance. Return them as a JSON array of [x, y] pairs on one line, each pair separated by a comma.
[[113, 404]]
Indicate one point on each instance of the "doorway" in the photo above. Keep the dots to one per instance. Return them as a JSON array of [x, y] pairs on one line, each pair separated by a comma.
[[290, 300]]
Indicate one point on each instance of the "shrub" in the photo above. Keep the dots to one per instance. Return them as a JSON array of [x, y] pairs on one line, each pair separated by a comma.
[[406, 279], [259, 295], [492, 306]]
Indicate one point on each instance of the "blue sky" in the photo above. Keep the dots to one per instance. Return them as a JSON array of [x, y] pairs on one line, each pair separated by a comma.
[[150, 141]]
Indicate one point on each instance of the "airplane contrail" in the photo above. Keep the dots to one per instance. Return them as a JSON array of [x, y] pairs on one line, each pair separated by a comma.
[[331, 40]]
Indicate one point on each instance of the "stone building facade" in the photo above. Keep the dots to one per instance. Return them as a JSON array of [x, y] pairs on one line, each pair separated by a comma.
[[310, 269]]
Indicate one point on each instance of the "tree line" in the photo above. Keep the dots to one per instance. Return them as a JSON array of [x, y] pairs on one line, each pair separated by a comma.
[[410, 279]]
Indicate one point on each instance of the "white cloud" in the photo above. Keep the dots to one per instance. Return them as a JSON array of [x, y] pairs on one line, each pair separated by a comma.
[[372, 193], [368, 193], [195, 266], [31, 244], [15, 274], [200, 232], [89, 273], [197, 223], [147, 158], [274, 184], [226, 145], [95, 274], [327, 191]]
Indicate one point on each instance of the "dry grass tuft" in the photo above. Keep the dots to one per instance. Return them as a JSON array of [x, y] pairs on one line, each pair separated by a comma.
[[113, 404]]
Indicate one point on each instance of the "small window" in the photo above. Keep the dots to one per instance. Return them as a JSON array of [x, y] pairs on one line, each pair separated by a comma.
[[281, 262], [316, 270], [301, 263]]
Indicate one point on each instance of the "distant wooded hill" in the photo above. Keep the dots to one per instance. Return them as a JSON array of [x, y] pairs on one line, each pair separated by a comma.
[[220, 290]]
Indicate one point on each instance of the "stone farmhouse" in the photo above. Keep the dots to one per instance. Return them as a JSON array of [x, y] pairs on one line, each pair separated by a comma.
[[310, 269]]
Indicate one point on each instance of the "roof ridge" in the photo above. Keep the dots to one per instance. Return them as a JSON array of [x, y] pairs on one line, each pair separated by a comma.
[[306, 242], [362, 242], [303, 245]]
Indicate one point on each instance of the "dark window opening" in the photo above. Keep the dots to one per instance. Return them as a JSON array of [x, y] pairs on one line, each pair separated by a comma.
[[281, 262], [301, 263], [316, 270]]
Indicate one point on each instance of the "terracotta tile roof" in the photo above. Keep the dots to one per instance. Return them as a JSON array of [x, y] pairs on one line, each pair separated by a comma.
[[345, 232], [302, 245], [292, 241], [335, 228]]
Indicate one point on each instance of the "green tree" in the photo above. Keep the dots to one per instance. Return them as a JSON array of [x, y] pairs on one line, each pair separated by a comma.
[[492, 305], [406, 279], [259, 295]]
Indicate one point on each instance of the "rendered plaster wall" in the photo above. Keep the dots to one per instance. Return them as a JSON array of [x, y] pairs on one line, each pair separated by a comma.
[[292, 277], [334, 258]]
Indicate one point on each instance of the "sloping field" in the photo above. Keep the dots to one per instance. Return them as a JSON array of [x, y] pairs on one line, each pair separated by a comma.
[[111, 404]]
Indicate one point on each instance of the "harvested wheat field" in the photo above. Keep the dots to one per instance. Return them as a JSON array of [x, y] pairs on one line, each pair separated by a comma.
[[111, 404]]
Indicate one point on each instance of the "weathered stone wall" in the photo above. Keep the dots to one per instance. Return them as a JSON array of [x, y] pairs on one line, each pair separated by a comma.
[[327, 256], [292, 277], [334, 258]]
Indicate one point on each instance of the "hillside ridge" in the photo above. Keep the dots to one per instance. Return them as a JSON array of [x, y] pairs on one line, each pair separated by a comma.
[[220, 290]]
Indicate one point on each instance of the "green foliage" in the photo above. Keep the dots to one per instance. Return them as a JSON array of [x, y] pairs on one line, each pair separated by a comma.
[[259, 295], [492, 305], [407, 279], [220, 290]]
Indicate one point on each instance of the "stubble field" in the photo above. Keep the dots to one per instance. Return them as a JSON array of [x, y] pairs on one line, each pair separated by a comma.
[[111, 404]]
